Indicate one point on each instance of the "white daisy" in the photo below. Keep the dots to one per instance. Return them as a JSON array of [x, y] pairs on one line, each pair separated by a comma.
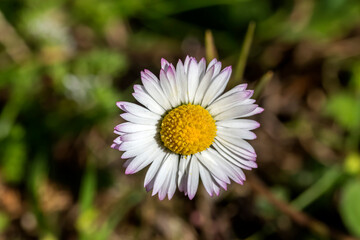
[[188, 129]]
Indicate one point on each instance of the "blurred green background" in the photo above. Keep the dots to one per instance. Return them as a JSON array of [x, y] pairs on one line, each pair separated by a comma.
[[64, 64]]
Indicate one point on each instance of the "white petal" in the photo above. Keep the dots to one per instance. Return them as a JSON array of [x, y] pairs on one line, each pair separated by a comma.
[[165, 187], [186, 63], [129, 127], [164, 63], [118, 133], [212, 63], [234, 96], [231, 170], [236, 133], [208, 159], [155, 166], [171, 75], [155, 91], [142, 160], [217, 68], [216, 87], [206, 179], [234, 172], [151, 75], [150, 185], [162, 175], [193, 79], [164, 180], [240, 146], [202, 67], [115, 146], [145, 99], [239, 123], [137, 110], [141, 143], [139, 120], [238, 88], [172, 186], [117, 140], [167, 88], [221, 183], [137, 151], [181, 82], [254, 112], [171, 67], [233, 158], [236, 112], [224, 104], [193, 179], [203, 86], [183, 173], [216, 189], [138, 135]]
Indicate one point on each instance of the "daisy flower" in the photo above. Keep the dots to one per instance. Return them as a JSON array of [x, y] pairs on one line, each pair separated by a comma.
[[187, 129]]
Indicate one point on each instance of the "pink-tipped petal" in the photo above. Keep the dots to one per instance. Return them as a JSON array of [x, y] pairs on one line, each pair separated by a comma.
[[164, 63]]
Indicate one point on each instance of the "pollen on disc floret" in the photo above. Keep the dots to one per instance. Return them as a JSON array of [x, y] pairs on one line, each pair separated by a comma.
[[188, 129]]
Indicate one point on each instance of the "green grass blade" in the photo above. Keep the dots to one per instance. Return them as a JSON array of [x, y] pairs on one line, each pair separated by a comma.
[[88, 187], [240, 67], [330, 177], [123, 206]]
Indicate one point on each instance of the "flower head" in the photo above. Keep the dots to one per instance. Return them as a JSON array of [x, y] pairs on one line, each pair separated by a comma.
[[188, 129]]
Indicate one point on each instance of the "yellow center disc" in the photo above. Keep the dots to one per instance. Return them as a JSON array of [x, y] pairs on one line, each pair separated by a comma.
[[188, 129]]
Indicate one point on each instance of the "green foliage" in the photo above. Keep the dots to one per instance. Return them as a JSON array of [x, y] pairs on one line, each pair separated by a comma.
[[333, 18], [14, 156], [4, 221], [321, 186], [45, 26], [350, 207], [100, 62], [88, 187], [37, 175], [352, 163], [88, 223], [345, 109], [98, 14], [355, 80]]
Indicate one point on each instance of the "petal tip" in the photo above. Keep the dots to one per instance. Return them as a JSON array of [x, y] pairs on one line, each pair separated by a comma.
[[120, 104], [148, 188], [137, 87], [170, 196], [128, 171]]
